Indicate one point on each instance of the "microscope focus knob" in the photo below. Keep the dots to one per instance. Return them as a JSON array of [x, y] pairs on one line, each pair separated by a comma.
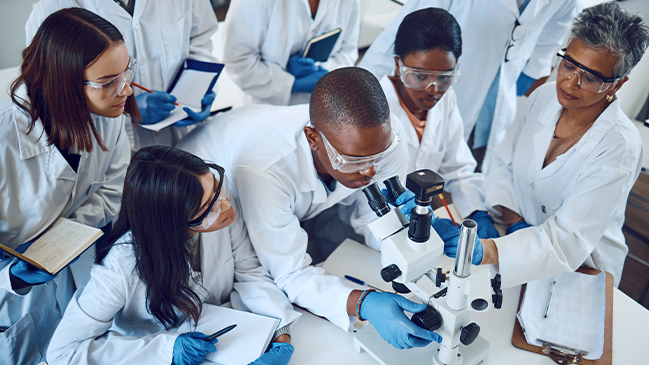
[[496, 281], [440, 277], [429, 319], [390, 273], [497, 298], [469, 333]]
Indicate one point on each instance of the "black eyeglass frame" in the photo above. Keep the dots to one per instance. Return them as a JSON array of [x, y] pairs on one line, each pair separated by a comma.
[[198, 221], [604, 79]]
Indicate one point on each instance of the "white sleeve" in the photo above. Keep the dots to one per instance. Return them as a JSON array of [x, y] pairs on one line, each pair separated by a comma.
[[379, 58], [84, 336], [348, 52], [204, 25], [247, 30], [281, 243], [565, 240], [254, 284], [101, 207], [550, 40], [458, 165]]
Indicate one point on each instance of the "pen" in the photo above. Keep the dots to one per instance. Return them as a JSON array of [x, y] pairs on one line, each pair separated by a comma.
[[220, 332], [547, 307], [360, 282], [145, 89]]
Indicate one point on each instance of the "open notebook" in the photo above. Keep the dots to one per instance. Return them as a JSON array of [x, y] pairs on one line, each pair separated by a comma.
[[243, 344]]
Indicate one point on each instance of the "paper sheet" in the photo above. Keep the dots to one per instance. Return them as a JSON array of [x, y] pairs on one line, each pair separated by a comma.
[[575, 315], [244, 344]]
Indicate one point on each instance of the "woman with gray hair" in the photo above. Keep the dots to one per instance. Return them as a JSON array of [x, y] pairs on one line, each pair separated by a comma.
[[561, 177]]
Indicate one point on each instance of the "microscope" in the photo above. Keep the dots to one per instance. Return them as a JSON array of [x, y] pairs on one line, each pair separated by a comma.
[[409, 253]]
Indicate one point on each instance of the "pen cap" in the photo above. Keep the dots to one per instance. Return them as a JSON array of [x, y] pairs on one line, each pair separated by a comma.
[[465, 243]]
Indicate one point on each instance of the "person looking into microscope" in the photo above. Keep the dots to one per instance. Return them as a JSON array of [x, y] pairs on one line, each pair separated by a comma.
[[561, 177]]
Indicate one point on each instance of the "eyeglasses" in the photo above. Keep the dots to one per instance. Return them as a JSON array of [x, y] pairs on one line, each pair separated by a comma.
[[351, 164], [587, 79], [114, 86], [513, 49], [421, 79], [214, 209]]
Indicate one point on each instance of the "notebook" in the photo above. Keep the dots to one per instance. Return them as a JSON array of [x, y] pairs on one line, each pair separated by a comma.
[[319, 48], [244, 344]]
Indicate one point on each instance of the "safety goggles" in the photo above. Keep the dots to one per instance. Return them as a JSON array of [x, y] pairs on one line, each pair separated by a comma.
[[421, 80], [351, 164], [213, 211], [587, 79], [114, 86]]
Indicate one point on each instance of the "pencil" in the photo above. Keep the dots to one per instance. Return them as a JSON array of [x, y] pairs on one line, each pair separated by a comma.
[[145, 89]]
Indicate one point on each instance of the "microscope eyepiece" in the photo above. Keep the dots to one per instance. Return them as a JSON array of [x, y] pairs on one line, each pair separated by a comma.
[[376, 200], [395, 189]]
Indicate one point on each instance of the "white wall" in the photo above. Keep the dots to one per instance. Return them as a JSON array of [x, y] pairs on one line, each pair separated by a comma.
[[13, 16]]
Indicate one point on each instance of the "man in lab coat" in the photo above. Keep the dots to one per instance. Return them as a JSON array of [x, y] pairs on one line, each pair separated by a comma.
[[287, 164], [160, 35], [508, 47]]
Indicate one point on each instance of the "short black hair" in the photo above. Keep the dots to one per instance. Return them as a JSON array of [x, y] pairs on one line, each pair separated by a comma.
[[349, 96], [427, 29]]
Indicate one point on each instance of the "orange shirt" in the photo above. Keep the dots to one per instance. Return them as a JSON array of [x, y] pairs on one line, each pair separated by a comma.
[[418, 124]]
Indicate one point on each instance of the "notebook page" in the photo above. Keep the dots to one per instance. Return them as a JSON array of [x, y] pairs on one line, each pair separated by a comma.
[[191, 87], [244, 344]]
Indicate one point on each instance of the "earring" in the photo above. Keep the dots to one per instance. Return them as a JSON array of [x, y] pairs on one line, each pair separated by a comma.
[[609, 97]]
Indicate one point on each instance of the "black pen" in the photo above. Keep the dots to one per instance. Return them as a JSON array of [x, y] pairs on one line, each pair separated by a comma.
[[220, 332], [547, 307]]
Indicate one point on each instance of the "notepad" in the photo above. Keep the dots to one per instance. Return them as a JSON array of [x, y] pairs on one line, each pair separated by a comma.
[[243, 344], [194, 80], [58, 246], [319, 48]]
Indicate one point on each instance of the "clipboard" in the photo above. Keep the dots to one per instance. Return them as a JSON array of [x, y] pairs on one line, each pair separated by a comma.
[[559, 353]]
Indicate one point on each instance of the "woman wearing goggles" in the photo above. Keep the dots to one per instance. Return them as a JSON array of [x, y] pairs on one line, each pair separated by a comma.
[[114, 85], [427, 46]]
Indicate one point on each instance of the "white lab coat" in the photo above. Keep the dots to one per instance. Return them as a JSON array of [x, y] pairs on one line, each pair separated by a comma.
[[263, 34], [575, 204], [486, 29], [269, 162], [38, 186], [108, 321], [442, 149], [161, 34]]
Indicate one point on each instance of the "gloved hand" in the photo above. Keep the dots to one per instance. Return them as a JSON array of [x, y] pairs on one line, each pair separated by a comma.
[[155, 107], [206, 105], [516, 226], [307, 83], [30, 274], [279, 354], [406, 199], [191, 348], [523, 84], [300, 67], [486, 228], [449, 233], [385, 312]]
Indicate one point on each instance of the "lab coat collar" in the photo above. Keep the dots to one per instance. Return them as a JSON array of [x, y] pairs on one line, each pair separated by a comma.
[[407, 130]]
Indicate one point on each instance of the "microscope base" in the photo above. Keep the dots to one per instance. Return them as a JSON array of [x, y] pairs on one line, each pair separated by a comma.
[[369, 340]]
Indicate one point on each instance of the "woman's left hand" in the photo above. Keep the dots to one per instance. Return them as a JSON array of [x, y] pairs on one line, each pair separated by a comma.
[[279, 354]]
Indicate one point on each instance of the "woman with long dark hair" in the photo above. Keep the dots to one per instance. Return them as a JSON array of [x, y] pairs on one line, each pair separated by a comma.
[[179, 243], [64, 154]]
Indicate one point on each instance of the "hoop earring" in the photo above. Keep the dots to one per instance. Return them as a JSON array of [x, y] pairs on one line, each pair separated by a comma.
[[609, 97]]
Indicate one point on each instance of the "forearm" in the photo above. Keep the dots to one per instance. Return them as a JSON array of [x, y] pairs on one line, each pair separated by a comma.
[[489, 252], [352, 301], [510, 217]]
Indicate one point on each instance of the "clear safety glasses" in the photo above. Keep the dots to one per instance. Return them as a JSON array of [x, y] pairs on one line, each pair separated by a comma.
[[214, 209], [587, 79], [351, 164], [421, 80], [114, 86]]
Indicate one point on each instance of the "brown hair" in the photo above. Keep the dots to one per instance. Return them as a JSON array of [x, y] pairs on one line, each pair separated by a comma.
[[67, 42]]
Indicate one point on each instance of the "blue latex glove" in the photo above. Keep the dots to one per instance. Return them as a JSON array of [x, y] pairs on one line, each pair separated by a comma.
[[279, 354], [191, 348], [486, 228], [523, 84], [206, 105], [155, 107], [307, 83], [516, 226], [449, 233], [300, 67], [385, 312], [30, 274]]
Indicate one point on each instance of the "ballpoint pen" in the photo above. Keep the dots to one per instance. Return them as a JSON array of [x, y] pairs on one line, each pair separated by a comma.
[[220, 332], [361, 282], [547, 307]]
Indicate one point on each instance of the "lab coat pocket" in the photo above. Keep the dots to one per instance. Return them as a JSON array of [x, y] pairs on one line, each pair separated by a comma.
[[176, 49], [18, 345]]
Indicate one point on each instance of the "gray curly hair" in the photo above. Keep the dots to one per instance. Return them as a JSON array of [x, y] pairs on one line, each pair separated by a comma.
[[608, 27]]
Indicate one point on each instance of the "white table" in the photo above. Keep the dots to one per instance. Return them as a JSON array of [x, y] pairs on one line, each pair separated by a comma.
[[317, 341]]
